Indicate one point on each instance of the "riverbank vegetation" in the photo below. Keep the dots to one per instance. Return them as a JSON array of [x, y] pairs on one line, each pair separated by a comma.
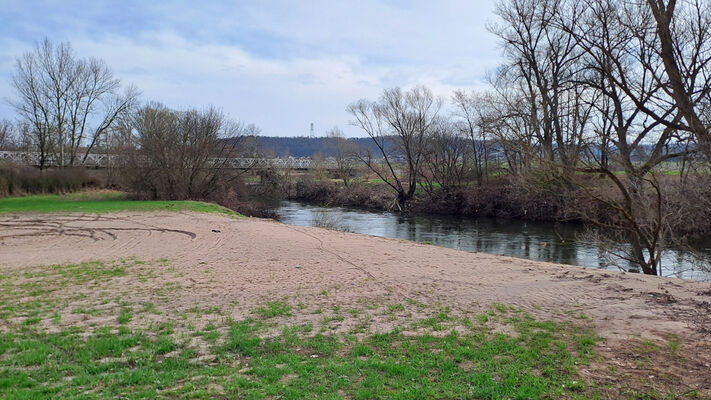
[[573, 113], [21, 180]]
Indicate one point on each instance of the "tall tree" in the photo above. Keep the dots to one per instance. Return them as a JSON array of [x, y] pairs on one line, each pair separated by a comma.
[[469, 112], [399, 124], [69, 103], [7, 135], [542, 60], [634, 129], [181, 154], [684, 34], [343, 153]]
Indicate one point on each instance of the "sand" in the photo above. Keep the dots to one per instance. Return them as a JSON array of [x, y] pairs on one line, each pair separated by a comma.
[[237, 264]]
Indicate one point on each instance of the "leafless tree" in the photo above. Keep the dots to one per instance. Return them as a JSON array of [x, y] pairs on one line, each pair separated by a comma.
[[7, 135], [542, 61], [318, 169], [471, 111], [182, 154], [683, 29], [505, 113], [344, 155], [584, 90], [69, 103], [448, 159], [634, 129], [399, 124]]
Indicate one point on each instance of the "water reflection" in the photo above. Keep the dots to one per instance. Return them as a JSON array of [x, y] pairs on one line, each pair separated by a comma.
[[555, 242]]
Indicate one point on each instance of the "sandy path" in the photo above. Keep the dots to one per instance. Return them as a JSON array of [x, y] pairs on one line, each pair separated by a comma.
[[249, 261]]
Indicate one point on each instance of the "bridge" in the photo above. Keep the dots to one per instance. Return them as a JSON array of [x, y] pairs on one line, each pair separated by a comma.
[[97, 160]]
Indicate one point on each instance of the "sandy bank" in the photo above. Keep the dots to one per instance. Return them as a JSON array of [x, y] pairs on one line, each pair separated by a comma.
[[240, 263]]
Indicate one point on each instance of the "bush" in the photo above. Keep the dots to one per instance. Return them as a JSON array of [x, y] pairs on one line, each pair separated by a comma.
[[361, 195], [18, 180], [325, 220]]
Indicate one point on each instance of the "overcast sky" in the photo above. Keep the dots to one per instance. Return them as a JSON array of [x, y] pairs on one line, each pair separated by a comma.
[[278, 64]]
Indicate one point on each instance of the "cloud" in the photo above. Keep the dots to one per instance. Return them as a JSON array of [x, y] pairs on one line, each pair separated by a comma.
[[281, 65]]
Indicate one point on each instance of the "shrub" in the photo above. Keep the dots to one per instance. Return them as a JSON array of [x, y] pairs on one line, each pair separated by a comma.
[[18, 180]]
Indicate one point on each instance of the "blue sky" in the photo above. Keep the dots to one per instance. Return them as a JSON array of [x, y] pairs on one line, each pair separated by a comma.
[[278, 64]]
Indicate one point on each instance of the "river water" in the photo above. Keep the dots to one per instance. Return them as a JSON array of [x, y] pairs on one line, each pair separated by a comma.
[[554, 242]]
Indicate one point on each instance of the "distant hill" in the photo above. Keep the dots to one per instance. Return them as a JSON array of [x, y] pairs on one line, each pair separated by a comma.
[[302, 146]]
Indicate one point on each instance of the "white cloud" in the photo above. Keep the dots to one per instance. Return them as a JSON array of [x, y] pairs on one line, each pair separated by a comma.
[[317, 57]]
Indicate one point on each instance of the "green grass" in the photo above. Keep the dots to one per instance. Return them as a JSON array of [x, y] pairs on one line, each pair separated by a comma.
[[274, 309], [101, 202], [538, 361], [123, 351], [31, 292], [126, 349], [125, 316]]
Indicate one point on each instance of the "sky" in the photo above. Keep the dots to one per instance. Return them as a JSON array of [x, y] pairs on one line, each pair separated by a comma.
[[281, 65]]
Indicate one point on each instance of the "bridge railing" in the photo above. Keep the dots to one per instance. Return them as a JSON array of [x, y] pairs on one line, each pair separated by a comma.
[[53, 160], [104, 160]]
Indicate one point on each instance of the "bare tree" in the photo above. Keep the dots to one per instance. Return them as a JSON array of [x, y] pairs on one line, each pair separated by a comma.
[[505, 113], [318, 168], [447, 162], [68, 102], [7, 135], [634, 130], [543, 60], [344, 154], [182, 154], [471, 112], [399, 124], [684, 34], [585, 89]]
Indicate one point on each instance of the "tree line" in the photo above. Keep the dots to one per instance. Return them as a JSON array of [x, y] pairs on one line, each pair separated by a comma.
[[69, 107]]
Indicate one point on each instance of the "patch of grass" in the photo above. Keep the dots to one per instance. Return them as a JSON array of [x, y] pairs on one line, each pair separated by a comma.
[[274, 309], [210, 333], [81, 273], [150, 308], [130, 354], [673, 343], [207, 310], [33, 292], [101, 202], [125, 316], [331, 318], [538, 361], [649, 346], [501, 308], [33, 320], [87, 311]]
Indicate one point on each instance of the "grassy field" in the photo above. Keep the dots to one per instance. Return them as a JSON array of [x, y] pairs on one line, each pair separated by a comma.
[[100, 202], [65, 333]]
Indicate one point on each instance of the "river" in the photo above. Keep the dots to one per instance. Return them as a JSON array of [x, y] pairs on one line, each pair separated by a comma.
[[554, 242]]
